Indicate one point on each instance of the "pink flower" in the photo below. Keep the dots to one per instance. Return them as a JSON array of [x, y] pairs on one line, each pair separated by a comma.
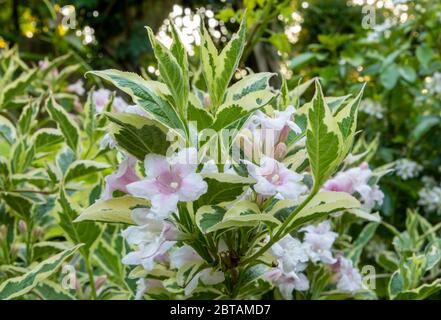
[[100, 98], [349, 279], [319, 240], [77, 87], [356, 180], [125, 175], [43, 64], [170, 180], [152, 236], [273, 178]]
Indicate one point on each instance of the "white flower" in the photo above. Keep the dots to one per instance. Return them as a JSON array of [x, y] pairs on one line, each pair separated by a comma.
[[292, 257], [211, 167], [407, 169], [279, 121], [319, 240], [100, 98], [433, 84], [274, 179], [372, 108], [349, 279], [169, 180], [152, 236], [430, 199], [77, 87]]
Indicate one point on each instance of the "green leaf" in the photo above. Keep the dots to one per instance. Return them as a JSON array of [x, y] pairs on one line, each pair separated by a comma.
[[7, 130], [323, 139], [208, 216], [424, 124], [389, 76], [301, 59], [243, 214], [247, 86], [150, 95], [363, 239], [116, 210], [16, 87], [27, 117], [81, 168], [321, 205], [241, 109], [199, 115], [44, 139], [218, 69], [138, 135], [422, 292], [20, 204], [171, 70], [49, 290], [407, 73], [90, 112], [346, 118], [16, 287], [84, 232], [424, 55], [223, 187], [64, 121]]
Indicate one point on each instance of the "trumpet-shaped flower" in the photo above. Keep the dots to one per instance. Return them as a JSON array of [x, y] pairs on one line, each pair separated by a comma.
[[292, 257], [356, 180], [319, 240], [169, 180], [77, 87], [280, 121], [125, 175], [152, 236], [349, 279], [273, 178]]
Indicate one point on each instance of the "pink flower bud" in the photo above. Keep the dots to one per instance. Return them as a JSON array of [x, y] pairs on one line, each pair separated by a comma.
[[207, 101], [22, 227], [364, 165], [284, 133], [280, 151], [100, 281]]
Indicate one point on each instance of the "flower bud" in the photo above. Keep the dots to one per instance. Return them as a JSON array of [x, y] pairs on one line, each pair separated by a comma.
[[38, 232], [22, 227], [3, 232], [364, 166], [280, 152], [284, 133], [207, 101], [100, 281]]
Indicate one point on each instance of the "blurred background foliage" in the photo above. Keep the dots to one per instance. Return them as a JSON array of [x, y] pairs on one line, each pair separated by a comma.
[[392, 45]]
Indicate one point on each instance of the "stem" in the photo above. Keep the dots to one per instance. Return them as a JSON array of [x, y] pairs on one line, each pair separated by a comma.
[[29, 244], [91, 278], [281, 232], [391, 228]]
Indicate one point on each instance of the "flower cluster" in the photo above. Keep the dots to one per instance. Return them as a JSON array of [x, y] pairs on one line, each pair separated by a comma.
[[356, 181], [372, 108], [407, 169], [293, 256], [430, 196]]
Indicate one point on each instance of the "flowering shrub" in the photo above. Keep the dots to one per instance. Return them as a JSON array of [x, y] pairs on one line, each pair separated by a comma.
[[211, 191], [229, 192]]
